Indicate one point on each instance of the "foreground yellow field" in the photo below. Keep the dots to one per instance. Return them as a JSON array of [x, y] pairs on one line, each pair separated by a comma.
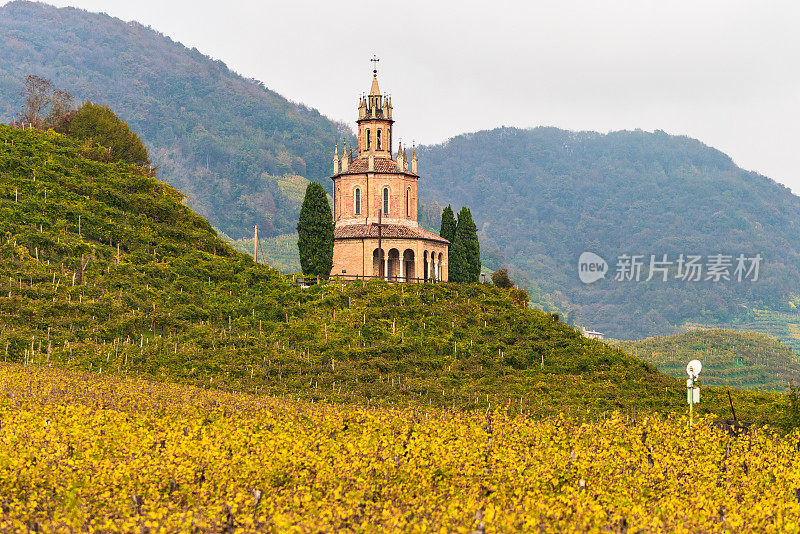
[[88, 452]]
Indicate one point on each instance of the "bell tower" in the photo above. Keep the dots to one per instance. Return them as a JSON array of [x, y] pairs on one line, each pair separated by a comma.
[[375, 121]]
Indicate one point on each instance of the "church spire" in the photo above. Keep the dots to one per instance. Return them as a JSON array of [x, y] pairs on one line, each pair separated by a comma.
[[374, 91], [375, 120], [336, 159], [375, 100], [399, 158]]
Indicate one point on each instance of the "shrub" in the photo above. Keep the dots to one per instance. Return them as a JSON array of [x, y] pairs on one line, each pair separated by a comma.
[[500, 279]]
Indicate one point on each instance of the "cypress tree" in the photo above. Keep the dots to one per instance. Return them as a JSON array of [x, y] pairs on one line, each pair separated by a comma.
[[466, 237], [448, 227], [315, 232], [458, 271]]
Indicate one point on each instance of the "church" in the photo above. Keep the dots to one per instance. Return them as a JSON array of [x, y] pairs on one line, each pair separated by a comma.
[[376, 232]]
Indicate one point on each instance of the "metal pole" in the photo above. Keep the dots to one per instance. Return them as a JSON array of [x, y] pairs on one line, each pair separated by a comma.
[[255, 245], [381, 271]]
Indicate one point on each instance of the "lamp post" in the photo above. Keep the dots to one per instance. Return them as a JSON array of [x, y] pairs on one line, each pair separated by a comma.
[[692, 391]]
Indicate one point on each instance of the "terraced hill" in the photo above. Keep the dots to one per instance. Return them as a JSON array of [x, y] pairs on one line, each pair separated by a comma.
[[745, 360], [781, 325]]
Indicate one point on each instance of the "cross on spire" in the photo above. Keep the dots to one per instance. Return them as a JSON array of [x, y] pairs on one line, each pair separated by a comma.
[[374, 61]]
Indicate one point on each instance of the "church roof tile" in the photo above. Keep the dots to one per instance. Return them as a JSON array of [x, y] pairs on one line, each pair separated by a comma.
[[397, 231]]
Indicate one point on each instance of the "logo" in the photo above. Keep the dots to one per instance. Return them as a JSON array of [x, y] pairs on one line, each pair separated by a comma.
[[714, 268], [591, 267]]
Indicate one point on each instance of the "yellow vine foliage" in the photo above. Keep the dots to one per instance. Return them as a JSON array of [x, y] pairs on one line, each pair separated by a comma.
[[96, 453]]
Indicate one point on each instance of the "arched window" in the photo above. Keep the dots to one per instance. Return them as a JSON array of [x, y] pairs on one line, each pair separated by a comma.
[[379, 139], [358, 201], [369, 140], [408, 202], [386, 201]]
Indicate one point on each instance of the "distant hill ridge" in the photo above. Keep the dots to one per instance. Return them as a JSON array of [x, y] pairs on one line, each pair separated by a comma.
[[745, 360], [543, 196]]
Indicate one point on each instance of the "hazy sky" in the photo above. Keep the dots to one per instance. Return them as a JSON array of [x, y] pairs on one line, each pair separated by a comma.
[[726, 72]]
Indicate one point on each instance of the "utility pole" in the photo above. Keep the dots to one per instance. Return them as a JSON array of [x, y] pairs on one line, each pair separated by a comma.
[[255, 245]]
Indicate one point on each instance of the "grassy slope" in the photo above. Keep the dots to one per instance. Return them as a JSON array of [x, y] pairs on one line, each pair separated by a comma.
[[749, 360], [280, 251], [179, 304]]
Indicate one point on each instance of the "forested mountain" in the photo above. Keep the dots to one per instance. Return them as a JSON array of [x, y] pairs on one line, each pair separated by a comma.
[[221, 139], [544, 196]]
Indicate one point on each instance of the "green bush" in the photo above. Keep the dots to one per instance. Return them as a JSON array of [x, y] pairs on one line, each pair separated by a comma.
[[100, 125]]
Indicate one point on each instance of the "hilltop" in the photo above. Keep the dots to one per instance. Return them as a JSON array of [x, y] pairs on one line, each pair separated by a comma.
[[743, 360], [105, 270], [545, 195]]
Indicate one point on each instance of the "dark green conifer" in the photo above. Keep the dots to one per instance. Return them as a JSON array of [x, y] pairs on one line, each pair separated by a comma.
[[315, 232], [459, 268], [448, 227], [465, 252]]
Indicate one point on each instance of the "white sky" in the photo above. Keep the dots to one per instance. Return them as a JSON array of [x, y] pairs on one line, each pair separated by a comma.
[[726, 72]]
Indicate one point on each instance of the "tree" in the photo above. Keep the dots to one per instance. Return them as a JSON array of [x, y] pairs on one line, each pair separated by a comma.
[[448, 227], [36, 94], [458, 271], [61, 107], [467, 235], [465, 260], [501, 279], [45, 106], [315, 232], [102, 126]]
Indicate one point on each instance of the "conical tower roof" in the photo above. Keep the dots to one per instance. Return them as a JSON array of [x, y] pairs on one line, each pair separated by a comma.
[[374, 91]]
